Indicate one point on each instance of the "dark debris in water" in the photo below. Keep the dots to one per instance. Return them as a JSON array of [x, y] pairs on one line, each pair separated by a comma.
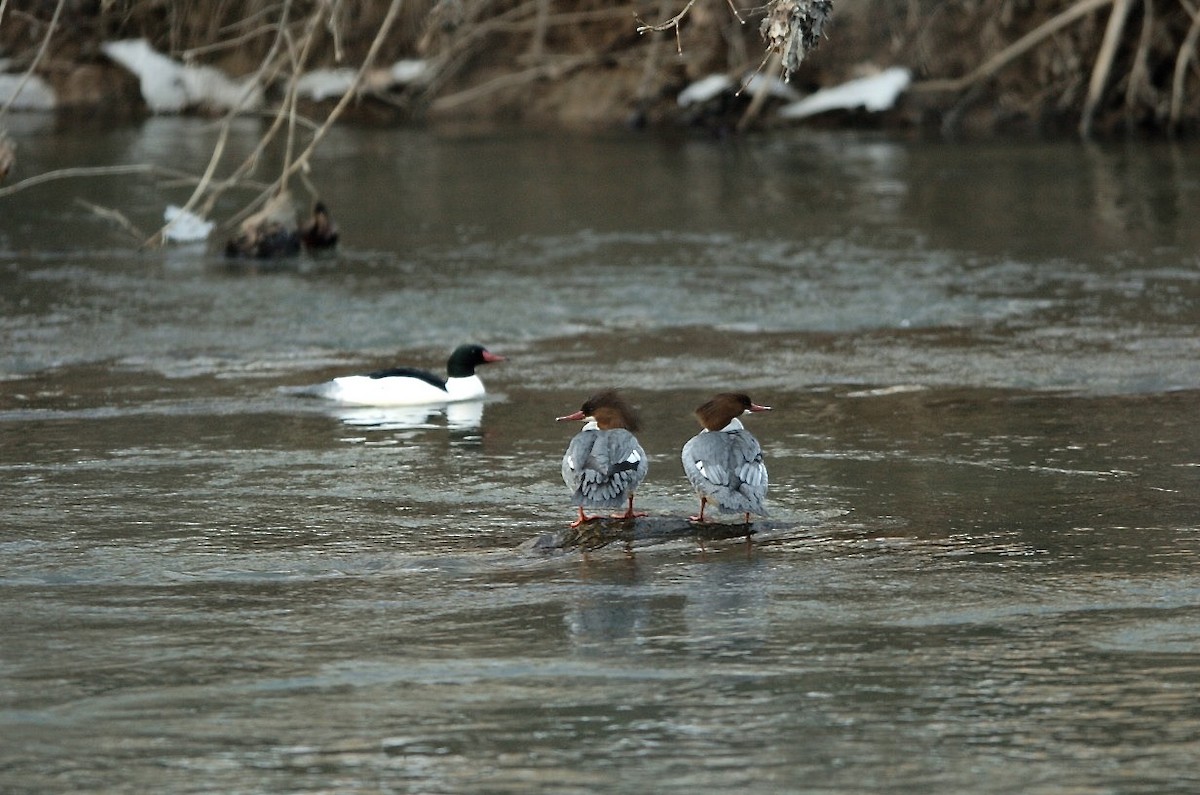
[[646, 531]]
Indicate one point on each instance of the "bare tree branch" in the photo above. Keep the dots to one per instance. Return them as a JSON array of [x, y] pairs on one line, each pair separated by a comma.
[[92, 171], [1104, 61], [1015, 50], [1187, 52], [670, 24]]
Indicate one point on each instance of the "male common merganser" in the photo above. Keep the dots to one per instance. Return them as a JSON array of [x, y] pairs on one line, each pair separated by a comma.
[[724, 461], [604, 464], [408, 386]]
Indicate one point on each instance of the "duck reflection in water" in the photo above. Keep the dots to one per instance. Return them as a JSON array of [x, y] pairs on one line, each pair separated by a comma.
[[464, 416]]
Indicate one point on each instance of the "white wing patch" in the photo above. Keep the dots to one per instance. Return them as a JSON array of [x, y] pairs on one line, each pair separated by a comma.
[[753, 473], [713, 473]]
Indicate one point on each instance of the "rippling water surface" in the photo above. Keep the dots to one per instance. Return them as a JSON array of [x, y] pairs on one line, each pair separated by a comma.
[[979, 574]]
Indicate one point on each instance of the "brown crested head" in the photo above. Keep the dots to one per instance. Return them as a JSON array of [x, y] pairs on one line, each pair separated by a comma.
[[716, 413], [609, 410]]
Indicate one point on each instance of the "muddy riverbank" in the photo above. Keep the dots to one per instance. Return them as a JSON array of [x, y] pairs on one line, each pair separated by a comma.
[[980, 68]]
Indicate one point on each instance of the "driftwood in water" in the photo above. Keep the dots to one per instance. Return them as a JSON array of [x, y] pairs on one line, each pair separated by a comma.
[[631, 534]]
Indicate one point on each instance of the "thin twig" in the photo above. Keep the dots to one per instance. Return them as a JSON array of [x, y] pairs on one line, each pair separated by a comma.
[[673, 22], [263, 12], [759, 100], [36, 59], [464, 45], [511, 79], [116, 216], [289, 101], [555, 20], [670, 24], [736, 14], [91, 171], [1187, 51], [227, 44], [1104, 61], [1138, 73], [287, 114], [303, 158], [537, 41], [650, 68], [8, 155], [270, 66], [335, 30], [219, 150], [1014, 50]]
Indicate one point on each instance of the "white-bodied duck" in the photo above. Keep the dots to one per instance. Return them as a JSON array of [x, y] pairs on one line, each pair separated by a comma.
[[409, 386]]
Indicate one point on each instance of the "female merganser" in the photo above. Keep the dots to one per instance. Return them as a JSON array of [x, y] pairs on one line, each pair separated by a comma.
[[604, 464], [408, 386], [271, 233], [319, 231], [724, 461]]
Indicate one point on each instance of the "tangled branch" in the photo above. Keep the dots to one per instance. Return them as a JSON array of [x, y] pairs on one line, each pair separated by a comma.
[[1015, 50], [671, 24], [1160, 53], [791, 28]]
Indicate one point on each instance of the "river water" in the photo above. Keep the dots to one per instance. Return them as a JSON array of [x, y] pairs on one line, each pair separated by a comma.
[[979, 574]]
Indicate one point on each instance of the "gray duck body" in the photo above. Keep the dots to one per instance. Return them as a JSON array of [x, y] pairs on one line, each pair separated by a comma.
[[726, 467], [603, 467]]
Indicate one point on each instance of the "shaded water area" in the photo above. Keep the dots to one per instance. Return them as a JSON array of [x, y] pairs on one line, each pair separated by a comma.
[[979, 573]]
